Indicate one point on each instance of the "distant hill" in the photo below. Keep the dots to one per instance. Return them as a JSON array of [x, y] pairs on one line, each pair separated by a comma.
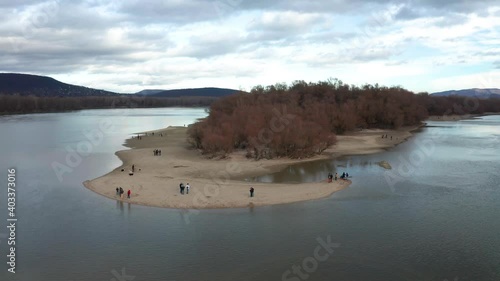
[[42, 86], [478, 93], [197, 92], [148, 92]]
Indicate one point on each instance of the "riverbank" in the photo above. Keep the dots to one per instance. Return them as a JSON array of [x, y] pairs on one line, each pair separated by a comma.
[[214, 183], [455, 117]]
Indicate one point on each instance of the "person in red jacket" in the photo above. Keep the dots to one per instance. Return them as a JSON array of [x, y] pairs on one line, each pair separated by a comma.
[[128, 194]]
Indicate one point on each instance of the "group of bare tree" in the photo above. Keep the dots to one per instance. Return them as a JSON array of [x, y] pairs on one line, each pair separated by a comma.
[[302, 119], [13, 104]]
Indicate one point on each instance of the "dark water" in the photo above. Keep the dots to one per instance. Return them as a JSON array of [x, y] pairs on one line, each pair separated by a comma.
[[435, 216]]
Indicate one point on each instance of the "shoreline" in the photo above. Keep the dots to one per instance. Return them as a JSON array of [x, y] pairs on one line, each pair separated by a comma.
[[217, 183]]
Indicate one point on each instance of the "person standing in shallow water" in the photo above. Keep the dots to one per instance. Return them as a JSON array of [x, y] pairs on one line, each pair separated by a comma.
[[251, 191]]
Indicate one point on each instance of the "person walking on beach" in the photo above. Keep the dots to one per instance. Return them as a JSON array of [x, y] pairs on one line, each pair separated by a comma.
[[251, 191], [121, 193], [346, 175], [117, 191], [133, 168], [336, 176], [128, 194], [330, 177], [187, 188], [181, 188]]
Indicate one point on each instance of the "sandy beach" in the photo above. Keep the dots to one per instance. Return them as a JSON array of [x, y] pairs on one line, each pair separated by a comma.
[[214, 182]]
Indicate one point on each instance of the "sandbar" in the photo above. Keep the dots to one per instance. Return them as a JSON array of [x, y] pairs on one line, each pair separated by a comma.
[[218, 183]]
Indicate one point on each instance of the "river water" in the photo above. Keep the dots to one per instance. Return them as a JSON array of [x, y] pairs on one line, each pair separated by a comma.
[[434, 216]]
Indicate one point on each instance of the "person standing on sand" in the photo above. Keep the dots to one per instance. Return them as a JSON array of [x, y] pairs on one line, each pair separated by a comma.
[[187, 188], [336, 176], [251, 191], [128, 194], [121, 193], [117, 191], [181, 188], [133, 168]]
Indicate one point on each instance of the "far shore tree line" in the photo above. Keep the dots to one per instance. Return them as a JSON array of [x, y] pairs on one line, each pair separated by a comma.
[[17, 104], [302, 119]]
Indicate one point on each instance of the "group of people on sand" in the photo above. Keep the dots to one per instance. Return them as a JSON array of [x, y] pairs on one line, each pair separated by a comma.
[[183, 187], [157, 152], [343, 176], [120, 192], [385, 136]]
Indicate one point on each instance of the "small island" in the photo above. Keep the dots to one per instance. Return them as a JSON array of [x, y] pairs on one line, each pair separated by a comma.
[[264, 131]]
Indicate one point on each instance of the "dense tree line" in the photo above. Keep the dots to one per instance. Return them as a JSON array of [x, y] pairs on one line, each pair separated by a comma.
[[12, 104], [302, 119]]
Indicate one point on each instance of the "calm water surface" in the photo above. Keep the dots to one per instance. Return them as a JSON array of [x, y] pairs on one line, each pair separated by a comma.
[[434, 216]]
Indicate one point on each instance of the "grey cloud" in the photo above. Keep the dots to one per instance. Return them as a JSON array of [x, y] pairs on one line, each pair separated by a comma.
[[354, 6], [349, 56], [212, 45], [209, 49], [50, 53], [171, 11], [16, 4], [451, 19], [407, 13]]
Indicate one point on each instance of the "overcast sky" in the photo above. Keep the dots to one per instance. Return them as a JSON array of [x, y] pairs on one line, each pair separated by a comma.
[[127, 46]]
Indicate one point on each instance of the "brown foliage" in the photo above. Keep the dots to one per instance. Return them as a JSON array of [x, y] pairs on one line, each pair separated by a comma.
[[301, 120]]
